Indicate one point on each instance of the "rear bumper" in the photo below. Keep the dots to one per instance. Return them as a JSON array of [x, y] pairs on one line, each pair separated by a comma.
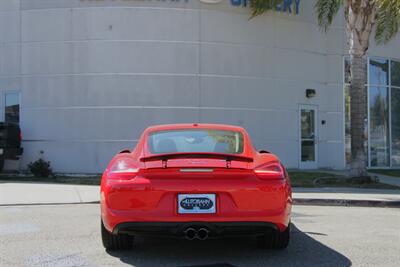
[[145, 203], [158, 221], [177, 229]]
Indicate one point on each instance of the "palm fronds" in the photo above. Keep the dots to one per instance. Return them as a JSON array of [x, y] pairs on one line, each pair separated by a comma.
[[259, 7], [326, 11], [387, 20]]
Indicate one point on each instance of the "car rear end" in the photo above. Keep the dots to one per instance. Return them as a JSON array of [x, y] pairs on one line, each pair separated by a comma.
[[195, 195], [237, 195]]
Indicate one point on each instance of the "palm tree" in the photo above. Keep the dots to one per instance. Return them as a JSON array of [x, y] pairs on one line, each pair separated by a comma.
[[361, 16]]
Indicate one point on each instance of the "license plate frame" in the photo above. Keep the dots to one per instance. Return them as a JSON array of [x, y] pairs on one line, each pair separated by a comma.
[[197, 203]]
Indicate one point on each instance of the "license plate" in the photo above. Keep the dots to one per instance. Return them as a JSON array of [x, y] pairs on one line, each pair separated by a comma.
[[196, 203]]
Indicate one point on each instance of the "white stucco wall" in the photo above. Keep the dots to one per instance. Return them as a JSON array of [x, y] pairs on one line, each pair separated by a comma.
[[94, 74]]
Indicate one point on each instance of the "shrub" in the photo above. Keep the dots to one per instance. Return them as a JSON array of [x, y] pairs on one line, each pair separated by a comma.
[[40, 168]]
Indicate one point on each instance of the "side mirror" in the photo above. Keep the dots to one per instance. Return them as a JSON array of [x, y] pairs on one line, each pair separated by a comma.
[[264, 152], [125, 151]]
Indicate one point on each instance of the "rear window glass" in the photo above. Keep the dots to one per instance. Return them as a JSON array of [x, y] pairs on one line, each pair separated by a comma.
[[202, 140]]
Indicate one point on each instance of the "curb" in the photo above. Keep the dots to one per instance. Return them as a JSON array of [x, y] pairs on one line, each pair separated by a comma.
[[346, 203]]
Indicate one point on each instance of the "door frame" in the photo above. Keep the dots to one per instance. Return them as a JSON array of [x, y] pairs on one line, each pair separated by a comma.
[[313, 164]]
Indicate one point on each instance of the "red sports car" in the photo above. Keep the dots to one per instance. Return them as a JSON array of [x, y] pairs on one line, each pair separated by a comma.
[[195, 181]]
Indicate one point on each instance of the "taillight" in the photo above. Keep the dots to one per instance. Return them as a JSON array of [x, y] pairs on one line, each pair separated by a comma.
[[123, 169], [270, 171]]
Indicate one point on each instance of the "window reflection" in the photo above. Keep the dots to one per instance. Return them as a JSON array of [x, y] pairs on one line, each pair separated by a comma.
[[347, 71], [384, 149], [12, 107], [347, 123], [307, 135], [395, 75], [379, 126], [307, 124], [378, 72], [395, 127]]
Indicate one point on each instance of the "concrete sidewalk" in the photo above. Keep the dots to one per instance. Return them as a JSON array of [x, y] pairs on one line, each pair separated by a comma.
[[387, 179], [21, 193], [347, 197], [390, 180]]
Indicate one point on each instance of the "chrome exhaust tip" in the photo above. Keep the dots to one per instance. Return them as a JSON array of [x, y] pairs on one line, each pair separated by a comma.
[[203, 233], [190, 233]]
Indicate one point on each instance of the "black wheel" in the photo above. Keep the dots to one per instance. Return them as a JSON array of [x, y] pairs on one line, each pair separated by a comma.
[[115, 242], [282, 240], [274, 240]]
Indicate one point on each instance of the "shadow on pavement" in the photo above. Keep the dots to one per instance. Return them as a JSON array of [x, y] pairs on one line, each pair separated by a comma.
[[302, 251]]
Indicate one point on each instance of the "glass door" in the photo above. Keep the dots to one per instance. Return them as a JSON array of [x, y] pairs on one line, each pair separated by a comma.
[[308, 137]]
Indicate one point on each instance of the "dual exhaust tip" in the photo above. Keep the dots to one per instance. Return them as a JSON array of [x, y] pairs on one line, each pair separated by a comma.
[[192, 233]]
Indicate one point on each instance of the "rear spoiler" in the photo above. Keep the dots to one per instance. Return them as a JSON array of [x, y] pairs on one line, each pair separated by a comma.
[[166, 157]]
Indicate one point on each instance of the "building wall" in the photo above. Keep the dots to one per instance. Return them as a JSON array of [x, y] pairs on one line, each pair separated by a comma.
[[94, 74]]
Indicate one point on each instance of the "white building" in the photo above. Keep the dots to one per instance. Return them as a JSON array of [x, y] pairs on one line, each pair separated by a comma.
[[90, 75]]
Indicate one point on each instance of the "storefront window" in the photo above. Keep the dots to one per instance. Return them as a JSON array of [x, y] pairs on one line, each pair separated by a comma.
[[12, 107], [378, 72], [384, 113], [379, 126], [395, 98], [347, 122], [347, 72], [396, 127], [395, 75]]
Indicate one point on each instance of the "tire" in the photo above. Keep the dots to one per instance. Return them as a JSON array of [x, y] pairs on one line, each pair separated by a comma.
[[274, 240], [115, 242], [282, 241]]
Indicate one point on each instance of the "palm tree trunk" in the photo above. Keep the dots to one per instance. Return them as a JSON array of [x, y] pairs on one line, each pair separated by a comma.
[[360, 18], [358, 105]]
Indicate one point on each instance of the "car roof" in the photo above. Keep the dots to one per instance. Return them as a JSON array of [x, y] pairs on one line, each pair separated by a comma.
[[166, 127]]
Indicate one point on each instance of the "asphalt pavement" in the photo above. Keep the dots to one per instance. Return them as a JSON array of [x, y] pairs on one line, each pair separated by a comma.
[[69, 235]]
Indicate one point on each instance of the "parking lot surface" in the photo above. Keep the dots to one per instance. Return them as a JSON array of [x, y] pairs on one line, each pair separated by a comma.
[[69, 235]]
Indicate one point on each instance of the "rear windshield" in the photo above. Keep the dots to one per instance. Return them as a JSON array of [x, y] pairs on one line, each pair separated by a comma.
[[202, 140]]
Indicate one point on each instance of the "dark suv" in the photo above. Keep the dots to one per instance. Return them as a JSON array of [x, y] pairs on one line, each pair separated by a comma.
[[10, 142]]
